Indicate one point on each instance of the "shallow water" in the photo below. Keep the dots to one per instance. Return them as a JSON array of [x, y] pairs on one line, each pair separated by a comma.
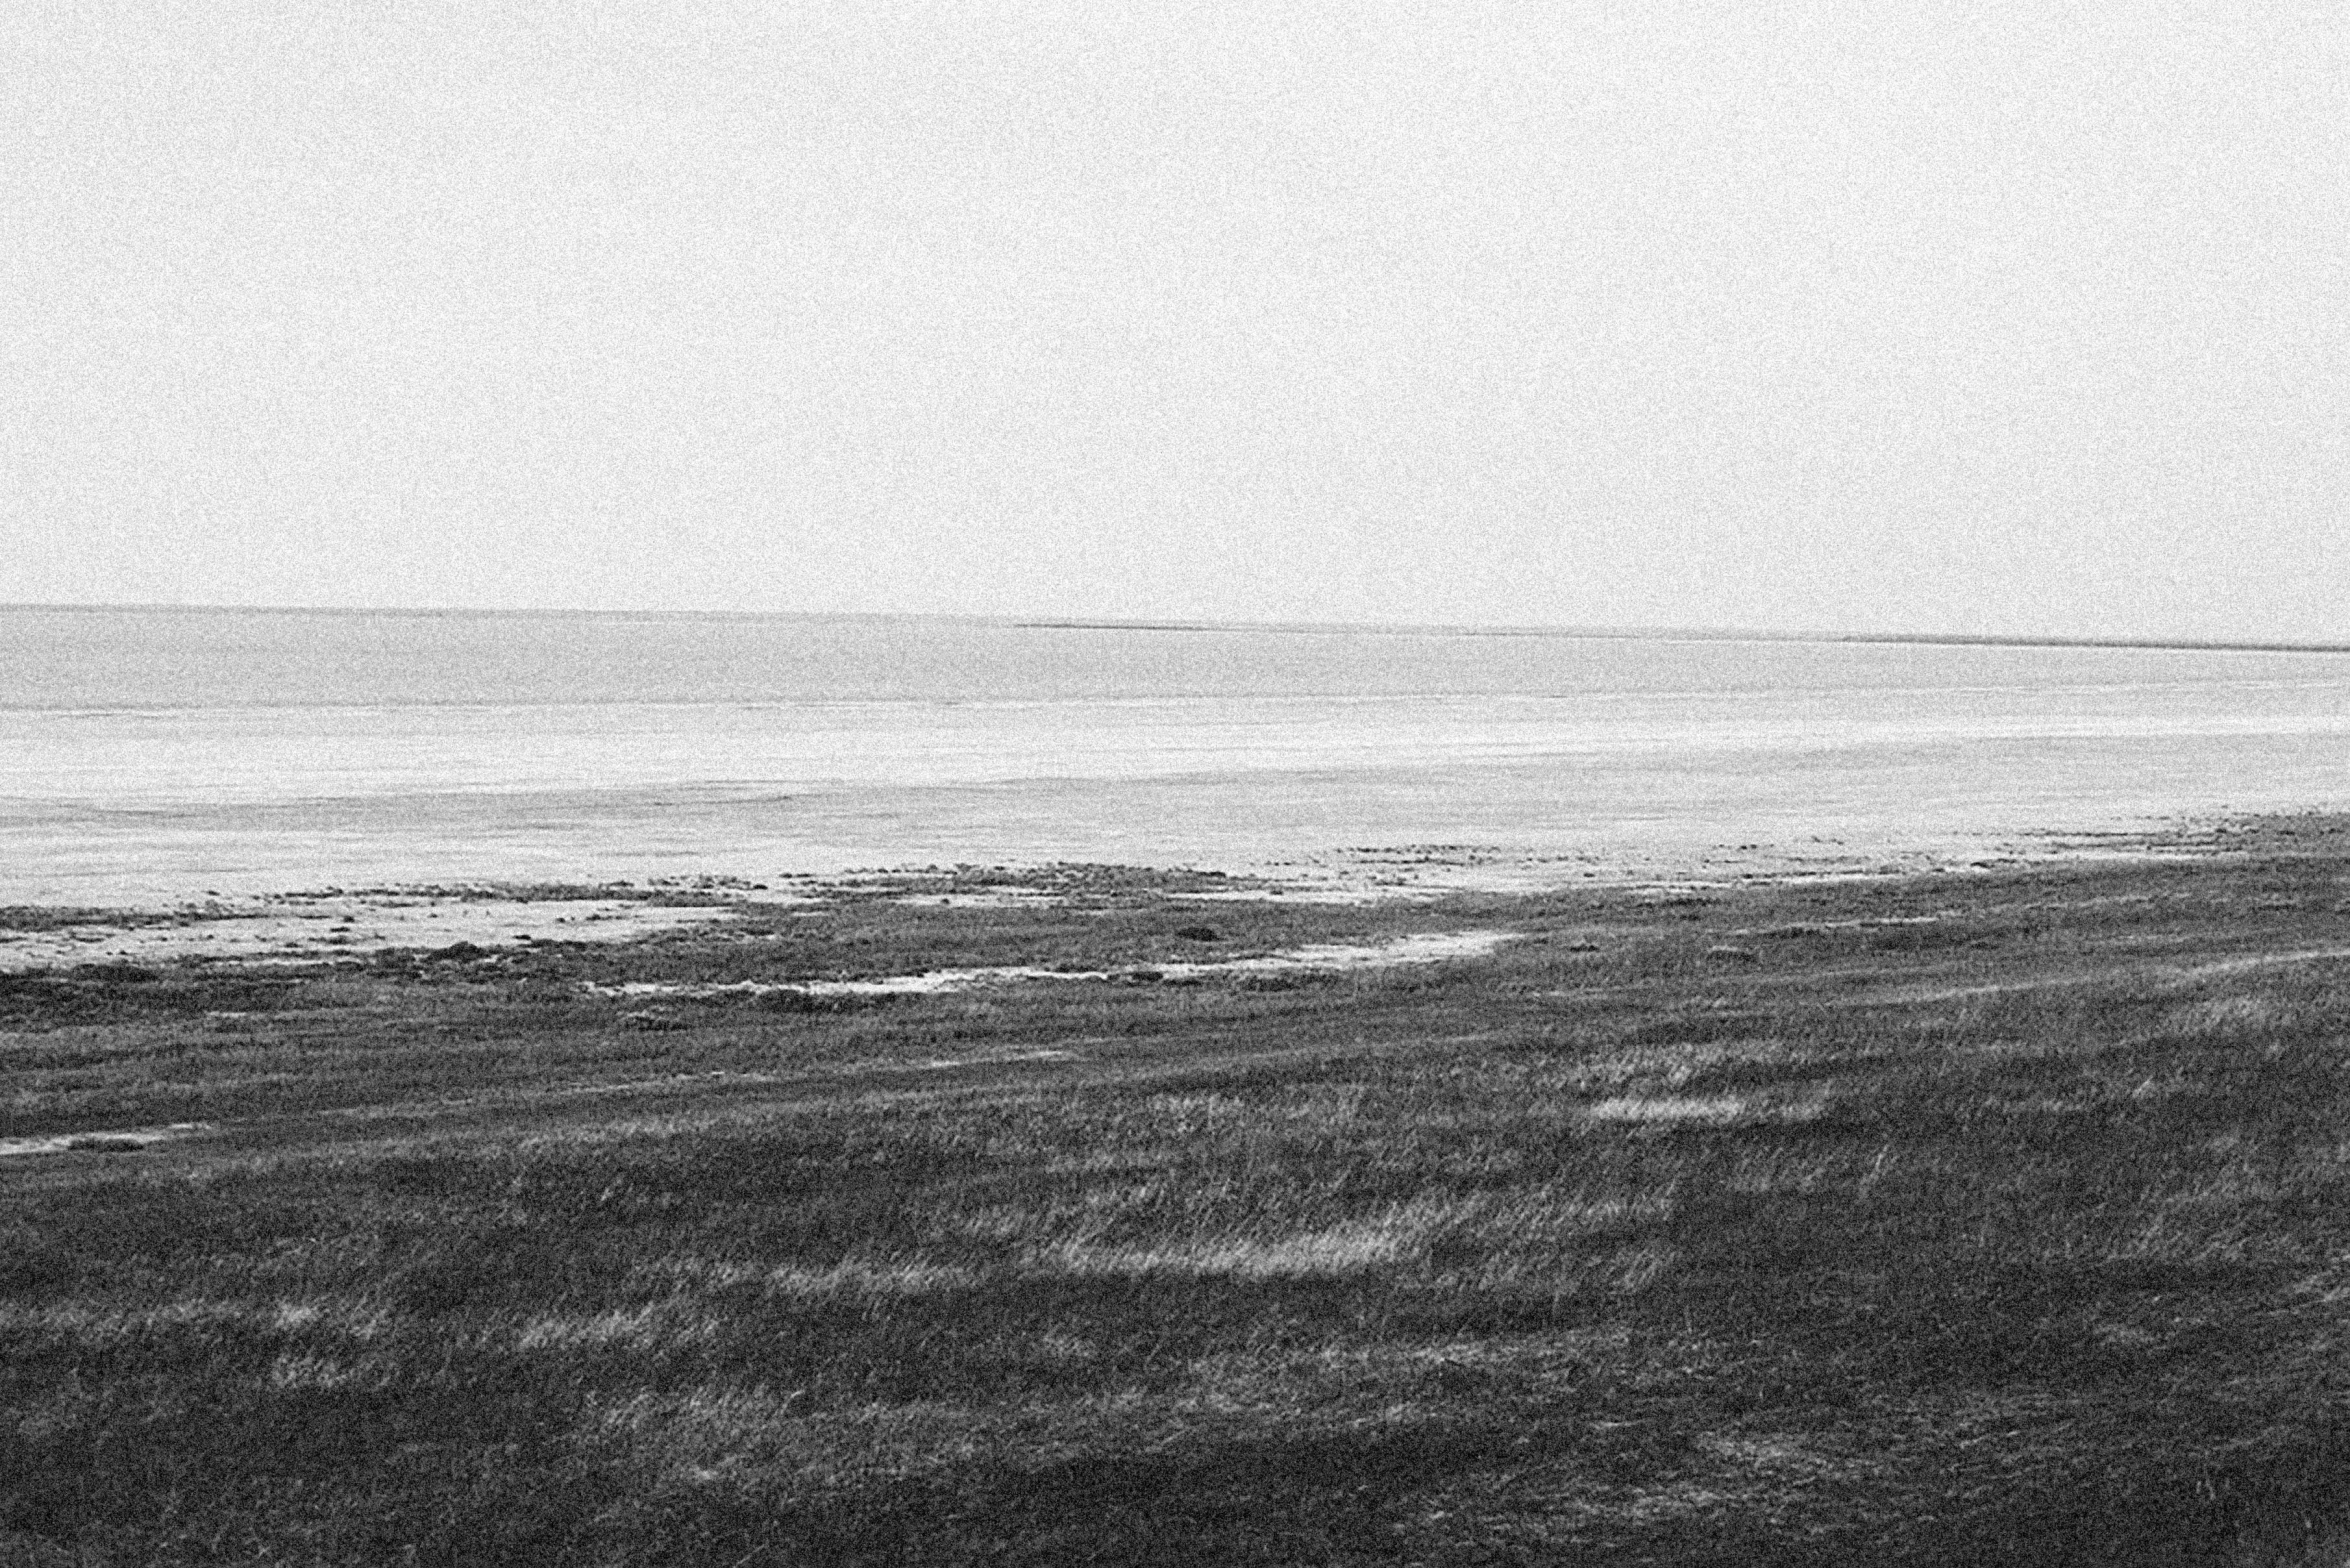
[[150, 757]]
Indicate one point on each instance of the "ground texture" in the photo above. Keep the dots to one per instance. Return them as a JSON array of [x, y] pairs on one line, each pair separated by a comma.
[[1986, 1218]]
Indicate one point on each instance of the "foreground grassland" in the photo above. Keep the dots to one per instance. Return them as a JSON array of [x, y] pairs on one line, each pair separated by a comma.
[[2001, 1218]]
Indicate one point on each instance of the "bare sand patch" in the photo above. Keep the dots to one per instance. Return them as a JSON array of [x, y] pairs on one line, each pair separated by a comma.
[[308, 930], [118, 1140], [1425, 948]]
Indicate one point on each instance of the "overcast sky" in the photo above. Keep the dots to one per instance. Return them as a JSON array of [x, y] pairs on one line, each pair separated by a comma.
[[2029, 319]]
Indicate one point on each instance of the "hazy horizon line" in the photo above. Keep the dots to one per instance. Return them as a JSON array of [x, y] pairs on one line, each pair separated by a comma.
[[1302, 628]]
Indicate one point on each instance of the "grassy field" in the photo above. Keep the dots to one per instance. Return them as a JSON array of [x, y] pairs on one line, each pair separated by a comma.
[[1996, 1218]]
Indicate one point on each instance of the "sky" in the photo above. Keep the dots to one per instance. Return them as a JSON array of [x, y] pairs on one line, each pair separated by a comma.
[[2008, 320]]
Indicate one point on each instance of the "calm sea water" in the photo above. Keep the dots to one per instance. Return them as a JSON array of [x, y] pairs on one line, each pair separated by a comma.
[[156, 755]]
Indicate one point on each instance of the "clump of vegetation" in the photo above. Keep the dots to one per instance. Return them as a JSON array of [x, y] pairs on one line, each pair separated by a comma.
[[47, 917], [1996, 1218]]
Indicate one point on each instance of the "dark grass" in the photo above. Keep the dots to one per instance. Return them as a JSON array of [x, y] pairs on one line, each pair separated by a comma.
[[1953, 1220]]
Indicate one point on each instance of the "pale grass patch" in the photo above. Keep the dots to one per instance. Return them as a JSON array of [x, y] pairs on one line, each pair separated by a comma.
[[1483, 1159], [1352, 1384], [2230, 1016], [1637, 1267], [1058, 1348], [353, 1318], [2011, 1050], [2240, 1182], [1528, 1234], [1349, 1248], [1779, 1170], [1323, 1105], [92, 1325], [750, 1436], [658, 1130], [695, 1270], [2047, 1105], [1681, 1500], [868, 1277], [1804, 1104], [71, 1406], [701, 1435], [657, 1325], [755, 1439], [1002, 1222], [299, 1371], [851, 1276], [1670, 1067], [345, 1319], [96, 1326], [292, 1371], [1564, 1268], [1771, 1468], [2124, 1336], [1200, 1112], [1529, 1216], [2330, 1288], [1777, 1451], [1089, 1211], [725, 1415], [1104, 1162], [1396, 1235], [2163, 1086], [1650, 1108], [25, 1102], [2163, 1238]]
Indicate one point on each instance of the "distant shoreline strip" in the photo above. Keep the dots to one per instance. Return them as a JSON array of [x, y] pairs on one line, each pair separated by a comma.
[[1688, 634], [1283, 628]]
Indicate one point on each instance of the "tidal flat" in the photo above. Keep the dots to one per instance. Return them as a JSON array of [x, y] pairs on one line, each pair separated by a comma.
[[1987, 1217]]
